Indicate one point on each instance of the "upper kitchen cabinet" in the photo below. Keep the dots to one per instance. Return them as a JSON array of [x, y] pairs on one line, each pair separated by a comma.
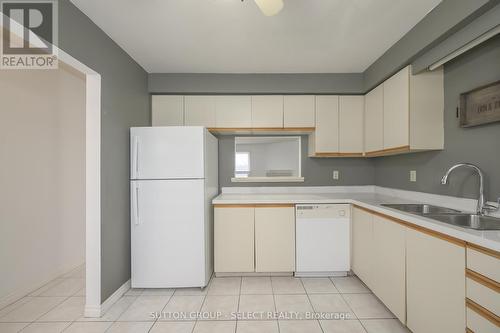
[[413, 114], [298, 111], [374, 120], [233, 112], [325, 140], [167, 110], [339, 127], [199, 111], [351, 125], [267, 111], [396, 110]]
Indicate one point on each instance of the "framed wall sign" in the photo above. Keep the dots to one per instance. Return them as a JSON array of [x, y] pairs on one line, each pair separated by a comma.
[[480, 106]]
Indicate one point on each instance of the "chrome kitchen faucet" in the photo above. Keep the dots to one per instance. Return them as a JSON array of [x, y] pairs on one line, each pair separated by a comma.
[[482, 207]]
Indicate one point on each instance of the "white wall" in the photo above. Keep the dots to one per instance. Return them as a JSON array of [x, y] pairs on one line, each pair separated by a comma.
[[42, 177], [269, 155], [284, 156]]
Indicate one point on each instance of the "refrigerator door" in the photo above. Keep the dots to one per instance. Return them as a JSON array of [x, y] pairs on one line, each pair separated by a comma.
[[167, 152], [168, 233]]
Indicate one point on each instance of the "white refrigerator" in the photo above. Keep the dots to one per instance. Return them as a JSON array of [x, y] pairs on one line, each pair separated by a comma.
[[173, 179]]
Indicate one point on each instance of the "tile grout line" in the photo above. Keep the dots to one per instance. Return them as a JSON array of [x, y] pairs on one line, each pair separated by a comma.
[[275, 306], [311, 304], [238, 307], [162, 309], [52, 308], [29, 295], [350, 308], [204, 300]]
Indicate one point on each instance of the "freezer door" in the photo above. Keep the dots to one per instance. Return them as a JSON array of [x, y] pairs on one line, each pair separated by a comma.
[[167, 152], [168, 234]]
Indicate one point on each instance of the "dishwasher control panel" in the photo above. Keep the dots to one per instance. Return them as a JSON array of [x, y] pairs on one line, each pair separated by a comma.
[[323, 211]]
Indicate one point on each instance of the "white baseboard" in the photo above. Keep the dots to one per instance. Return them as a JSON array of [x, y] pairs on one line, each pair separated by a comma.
[[25, 291], [253, 274], [96, 311], [92, 311], [320, 274]]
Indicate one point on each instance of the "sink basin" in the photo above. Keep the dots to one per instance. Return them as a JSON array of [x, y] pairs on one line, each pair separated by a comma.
[[422, 209], [469, 221]]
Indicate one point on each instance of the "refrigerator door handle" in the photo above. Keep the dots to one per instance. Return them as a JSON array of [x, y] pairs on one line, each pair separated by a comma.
[[135, 157], [135, 204]]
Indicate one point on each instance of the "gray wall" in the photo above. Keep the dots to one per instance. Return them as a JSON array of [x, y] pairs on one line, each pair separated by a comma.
[[316, 171], [482, 24], [351, 83], [446, 18], [479, 145], [125, 103]]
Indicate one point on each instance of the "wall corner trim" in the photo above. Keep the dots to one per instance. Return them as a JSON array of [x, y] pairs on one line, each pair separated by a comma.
[[96, 311]]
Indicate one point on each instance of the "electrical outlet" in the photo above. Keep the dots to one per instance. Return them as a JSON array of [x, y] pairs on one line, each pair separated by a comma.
[[336, 174], [413, 175]]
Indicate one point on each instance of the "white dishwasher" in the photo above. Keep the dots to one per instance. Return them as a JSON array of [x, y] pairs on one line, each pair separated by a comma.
[[323, 235]]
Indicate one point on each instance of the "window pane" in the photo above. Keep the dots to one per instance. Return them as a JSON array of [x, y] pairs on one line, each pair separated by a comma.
[[242, 162]]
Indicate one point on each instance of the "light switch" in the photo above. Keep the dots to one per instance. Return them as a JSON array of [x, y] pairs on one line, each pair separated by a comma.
[[336, 174], [413, 175]]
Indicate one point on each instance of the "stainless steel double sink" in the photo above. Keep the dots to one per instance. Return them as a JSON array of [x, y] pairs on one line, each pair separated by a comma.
[[449, 216]]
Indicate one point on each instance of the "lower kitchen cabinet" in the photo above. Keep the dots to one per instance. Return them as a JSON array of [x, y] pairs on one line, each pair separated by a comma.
[[419, 275], [389, 265], [435, 284], [234, 239], [275, 239], [254, 239], [362, 245]]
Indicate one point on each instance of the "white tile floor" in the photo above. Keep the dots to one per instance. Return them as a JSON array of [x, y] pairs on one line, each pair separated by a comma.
[[58, 307]]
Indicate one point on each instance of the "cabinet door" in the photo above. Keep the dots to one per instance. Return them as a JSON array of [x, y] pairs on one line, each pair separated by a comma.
[[199, 111], [351, 124], [267, 111], [362, 245], [274, 239], [167, 110], [435, 284], [233, 111], [374, 119], [397, 110], [327, 124], [234, 239], [389, 263], [298, 111]]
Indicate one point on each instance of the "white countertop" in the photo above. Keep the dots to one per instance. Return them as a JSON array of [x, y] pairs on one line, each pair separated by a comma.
[[371, 200]]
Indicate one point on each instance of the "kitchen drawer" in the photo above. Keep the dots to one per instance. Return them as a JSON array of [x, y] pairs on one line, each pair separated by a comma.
[[483, 295], [485, 264], [479, 324]]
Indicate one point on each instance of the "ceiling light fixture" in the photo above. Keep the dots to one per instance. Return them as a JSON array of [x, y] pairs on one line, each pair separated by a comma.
[[270, 7]]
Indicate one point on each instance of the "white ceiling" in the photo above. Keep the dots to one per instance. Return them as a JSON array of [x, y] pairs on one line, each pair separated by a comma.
[[230, 36]]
